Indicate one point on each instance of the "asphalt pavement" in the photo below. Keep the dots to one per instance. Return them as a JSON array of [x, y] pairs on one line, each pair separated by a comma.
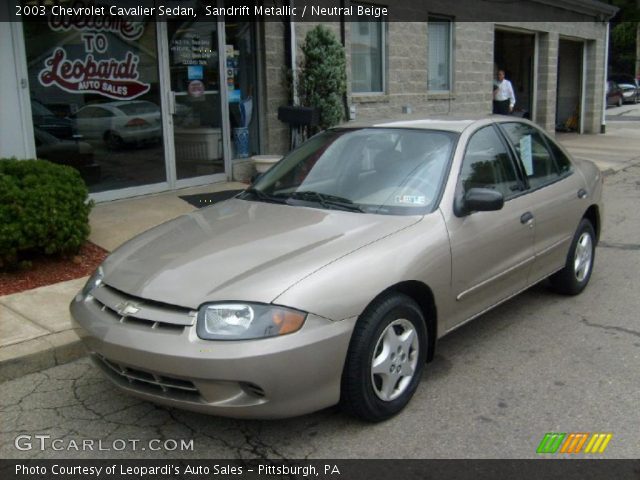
[[539, 363]]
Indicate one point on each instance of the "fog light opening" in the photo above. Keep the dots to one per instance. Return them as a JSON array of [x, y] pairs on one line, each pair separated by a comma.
[[252, 389]]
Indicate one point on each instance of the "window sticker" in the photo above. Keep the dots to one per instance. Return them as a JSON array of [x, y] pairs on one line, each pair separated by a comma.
[[525, 154], [411, 199]]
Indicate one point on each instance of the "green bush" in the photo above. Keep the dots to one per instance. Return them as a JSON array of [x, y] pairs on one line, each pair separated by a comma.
[[44, 208], [323, 75]]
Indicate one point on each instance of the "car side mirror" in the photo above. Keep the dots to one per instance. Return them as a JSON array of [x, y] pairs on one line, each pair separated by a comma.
[[482, 200]]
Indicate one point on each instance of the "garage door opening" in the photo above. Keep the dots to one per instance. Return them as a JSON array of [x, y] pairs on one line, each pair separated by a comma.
[[569, 89], [514, 52]]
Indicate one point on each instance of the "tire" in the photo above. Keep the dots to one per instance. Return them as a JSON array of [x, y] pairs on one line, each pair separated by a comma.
[[575, 275], [620, 102], [375, 395], [113, 141]]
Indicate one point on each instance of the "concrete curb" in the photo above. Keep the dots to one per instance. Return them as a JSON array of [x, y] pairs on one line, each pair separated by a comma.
[[39, 353]]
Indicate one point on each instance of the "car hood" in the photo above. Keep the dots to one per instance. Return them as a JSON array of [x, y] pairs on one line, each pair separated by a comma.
[[240, 250]]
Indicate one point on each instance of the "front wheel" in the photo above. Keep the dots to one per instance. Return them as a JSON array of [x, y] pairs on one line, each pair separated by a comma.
[[113, 141], [385, 360], [575, 275]]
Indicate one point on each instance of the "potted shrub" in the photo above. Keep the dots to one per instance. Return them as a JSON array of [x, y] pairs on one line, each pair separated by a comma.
[[322, 83]]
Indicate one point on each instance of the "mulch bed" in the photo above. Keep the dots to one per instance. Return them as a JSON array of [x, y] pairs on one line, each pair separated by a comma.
[[46, 270]]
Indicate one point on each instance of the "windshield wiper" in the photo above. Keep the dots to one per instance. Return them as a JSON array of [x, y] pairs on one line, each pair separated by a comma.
[[262, 196], [326, 200]]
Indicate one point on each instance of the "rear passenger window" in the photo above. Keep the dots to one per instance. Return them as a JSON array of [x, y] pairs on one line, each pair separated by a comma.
[[532, 150], [487, 164]]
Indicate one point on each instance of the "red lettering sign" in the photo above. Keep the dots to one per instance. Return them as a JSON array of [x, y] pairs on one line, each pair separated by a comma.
[[117, 79]]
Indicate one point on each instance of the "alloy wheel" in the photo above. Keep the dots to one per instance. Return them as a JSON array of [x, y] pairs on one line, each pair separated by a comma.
[[583, 256], [395, 360]]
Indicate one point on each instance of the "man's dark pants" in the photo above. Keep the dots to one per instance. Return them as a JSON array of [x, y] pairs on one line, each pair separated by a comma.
[[501, 107]]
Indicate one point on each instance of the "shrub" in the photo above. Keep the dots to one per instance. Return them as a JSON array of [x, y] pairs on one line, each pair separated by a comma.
[[44, 208], [323, 75]]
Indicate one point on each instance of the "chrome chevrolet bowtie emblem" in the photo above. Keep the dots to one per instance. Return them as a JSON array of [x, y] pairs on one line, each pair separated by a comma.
[[127, 308]]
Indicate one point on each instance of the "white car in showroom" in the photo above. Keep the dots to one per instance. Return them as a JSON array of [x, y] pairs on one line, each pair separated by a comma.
[[120, 123]]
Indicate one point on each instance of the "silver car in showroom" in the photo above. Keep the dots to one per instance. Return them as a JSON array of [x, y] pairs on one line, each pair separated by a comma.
[[330, 279]]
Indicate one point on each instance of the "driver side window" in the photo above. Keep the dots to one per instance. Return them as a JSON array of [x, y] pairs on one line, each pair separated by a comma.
[[487, 164]]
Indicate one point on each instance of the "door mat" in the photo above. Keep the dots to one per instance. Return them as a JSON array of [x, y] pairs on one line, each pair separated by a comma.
[[202, 200]]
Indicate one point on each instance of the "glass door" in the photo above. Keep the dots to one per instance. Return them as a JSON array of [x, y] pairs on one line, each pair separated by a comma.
[[195, 98]]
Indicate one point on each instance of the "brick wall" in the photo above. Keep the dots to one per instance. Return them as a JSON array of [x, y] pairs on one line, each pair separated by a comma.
[[473, 72]]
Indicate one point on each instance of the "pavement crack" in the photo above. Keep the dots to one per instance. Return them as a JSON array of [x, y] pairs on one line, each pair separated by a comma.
[[620, 246], [611, 327]]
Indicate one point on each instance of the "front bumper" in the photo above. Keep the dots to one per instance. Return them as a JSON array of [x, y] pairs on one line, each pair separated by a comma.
[[275, 377]]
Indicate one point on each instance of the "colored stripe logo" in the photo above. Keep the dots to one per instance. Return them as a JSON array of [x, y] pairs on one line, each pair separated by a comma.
[[573, 443]]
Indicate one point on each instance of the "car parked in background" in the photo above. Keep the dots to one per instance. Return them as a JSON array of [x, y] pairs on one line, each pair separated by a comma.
[[630, 92], [120, 123], [331, 278], [45, 120], [614, 94], [629, 85], [74, 153]]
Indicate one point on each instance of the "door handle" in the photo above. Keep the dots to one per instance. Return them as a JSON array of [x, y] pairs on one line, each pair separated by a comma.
[[527, 219], [582, 193]]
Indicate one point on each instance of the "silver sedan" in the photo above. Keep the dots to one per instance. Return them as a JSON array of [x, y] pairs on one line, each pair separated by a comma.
[[331, 278]]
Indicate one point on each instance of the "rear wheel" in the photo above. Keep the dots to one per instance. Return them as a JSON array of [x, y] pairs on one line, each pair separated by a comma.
[[385, 360], [575, 275]]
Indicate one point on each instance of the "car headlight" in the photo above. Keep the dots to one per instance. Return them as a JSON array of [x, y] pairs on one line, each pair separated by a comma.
[[94, 281], [243, 321]]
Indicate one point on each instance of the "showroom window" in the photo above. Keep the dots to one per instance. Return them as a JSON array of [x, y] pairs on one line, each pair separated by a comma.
[[368, 56], [95, 99], [439, 51]]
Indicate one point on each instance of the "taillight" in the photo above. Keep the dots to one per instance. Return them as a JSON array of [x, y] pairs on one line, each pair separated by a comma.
[[136, 122]]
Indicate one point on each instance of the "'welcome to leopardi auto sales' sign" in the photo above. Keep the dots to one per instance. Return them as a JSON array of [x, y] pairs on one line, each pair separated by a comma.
[[116, 78]]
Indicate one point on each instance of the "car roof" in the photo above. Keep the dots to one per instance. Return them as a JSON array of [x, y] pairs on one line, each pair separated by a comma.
[[452, 123]]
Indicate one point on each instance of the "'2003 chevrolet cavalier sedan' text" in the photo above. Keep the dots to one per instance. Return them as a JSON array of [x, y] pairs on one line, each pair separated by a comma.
[[331, 278]]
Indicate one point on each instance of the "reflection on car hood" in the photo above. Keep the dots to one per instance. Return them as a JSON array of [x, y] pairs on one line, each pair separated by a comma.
[[240, 250]]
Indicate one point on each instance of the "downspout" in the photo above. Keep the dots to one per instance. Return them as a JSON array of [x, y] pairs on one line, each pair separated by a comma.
[[603, 122]]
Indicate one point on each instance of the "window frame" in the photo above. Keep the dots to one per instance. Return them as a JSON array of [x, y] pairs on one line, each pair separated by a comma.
[[435, 18], [459, 191], [384, 54], [560, 176]]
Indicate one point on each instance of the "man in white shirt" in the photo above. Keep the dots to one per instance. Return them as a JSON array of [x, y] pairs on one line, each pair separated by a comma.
[[503, 97]]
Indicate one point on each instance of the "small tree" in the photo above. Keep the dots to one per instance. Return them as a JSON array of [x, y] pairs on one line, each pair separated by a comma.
[[322, 80]]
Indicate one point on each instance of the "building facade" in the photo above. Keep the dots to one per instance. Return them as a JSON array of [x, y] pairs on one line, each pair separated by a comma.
[[141, 106]]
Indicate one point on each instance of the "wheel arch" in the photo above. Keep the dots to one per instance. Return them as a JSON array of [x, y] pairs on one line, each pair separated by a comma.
[[423, 296], [593, 215]]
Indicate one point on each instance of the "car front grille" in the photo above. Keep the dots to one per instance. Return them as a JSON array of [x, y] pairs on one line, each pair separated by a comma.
[[148, 382], [116, 306]]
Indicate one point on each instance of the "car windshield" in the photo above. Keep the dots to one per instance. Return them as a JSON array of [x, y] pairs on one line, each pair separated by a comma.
[[371, 170]]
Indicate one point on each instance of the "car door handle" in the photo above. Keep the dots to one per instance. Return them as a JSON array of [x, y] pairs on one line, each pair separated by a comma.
[[582, 193], [526, 218]]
